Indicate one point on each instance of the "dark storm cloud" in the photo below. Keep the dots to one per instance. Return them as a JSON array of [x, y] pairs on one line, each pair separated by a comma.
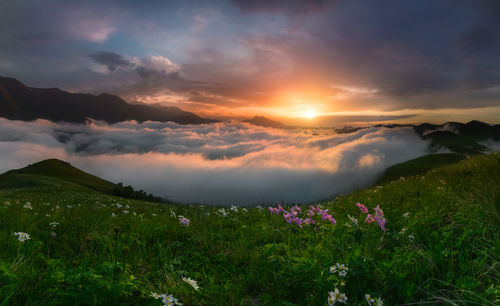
[[110, 59], [195, 163]]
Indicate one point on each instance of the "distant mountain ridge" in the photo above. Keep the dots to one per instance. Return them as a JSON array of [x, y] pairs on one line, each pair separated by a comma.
[[20, 102], [462, 138], [266, 122]]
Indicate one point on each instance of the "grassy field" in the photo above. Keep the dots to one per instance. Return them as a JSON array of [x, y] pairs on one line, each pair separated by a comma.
[[441, 245]]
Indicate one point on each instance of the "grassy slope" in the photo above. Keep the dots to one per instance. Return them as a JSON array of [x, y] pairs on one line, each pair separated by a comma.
[[419, 165], [62, 170], [449, 251]]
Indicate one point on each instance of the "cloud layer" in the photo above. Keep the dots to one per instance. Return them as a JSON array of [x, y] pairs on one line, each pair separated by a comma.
[[224, 163]]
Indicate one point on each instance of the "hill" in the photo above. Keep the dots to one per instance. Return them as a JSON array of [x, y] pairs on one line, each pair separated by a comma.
[[419, 165], [266, 122], [440, 246], [20, 102], [64, 171]]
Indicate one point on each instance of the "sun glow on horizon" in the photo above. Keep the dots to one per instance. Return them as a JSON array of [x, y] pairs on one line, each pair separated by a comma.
[[310, 114]]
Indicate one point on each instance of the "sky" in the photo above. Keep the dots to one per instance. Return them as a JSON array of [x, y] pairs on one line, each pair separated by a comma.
[[302, 62]]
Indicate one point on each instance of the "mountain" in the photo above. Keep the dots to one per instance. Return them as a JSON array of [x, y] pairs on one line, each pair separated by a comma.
[[64, 171], [20, 102], [266, 122]]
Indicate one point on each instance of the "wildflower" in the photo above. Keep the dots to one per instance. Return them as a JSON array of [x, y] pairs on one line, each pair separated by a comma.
[[172, 214], [27, 205], [406, 214], [336, 296], [118, 205], [362, 208], [233, 208], [184, 221], [69, 206], [369, 299], [222, 212], [259, 207], [369, 218], [353, 220], [341, 268], [22, 236], [192, 282], [333, 269], [411, 236], [54, 224], [126, 212], [244, 209], [373, 301], [153, 215], [379, 217], [166, 299], [113, 215]]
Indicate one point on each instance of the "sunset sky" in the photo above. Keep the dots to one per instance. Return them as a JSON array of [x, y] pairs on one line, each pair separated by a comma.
[[302, 62]]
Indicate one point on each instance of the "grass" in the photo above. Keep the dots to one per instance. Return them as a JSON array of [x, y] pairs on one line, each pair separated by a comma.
[[63, 170], [419, 165], [445, 252]]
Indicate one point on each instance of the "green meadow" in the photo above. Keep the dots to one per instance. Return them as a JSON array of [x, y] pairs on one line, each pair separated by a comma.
[[441, 244]]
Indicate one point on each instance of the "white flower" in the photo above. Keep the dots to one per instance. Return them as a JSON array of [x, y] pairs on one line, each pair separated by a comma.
[[28, 205], [234, 208], [22, 236], [172, 214], [154, 215], [223, 212], [373, 301], [53, 224], [343, 273], [244, 209], [126, 211], [118, 205], [336, 296], [406, 214], [113, 215], [353, 220], [403, 230], [192, 282], [333, 269], [411, 236]]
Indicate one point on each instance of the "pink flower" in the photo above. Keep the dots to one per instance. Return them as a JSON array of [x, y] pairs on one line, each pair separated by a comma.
[[184, 221], [369, 218], [362, 208]]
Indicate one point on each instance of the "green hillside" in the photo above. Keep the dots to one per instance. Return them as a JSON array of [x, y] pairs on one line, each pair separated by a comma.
[[419, 165], [441, 246], [64, 171]]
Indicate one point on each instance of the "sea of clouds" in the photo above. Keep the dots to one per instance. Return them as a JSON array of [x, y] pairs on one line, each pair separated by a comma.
[[222, 164]]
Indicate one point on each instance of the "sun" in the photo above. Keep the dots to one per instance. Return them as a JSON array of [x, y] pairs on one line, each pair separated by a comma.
[[310, 114]]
